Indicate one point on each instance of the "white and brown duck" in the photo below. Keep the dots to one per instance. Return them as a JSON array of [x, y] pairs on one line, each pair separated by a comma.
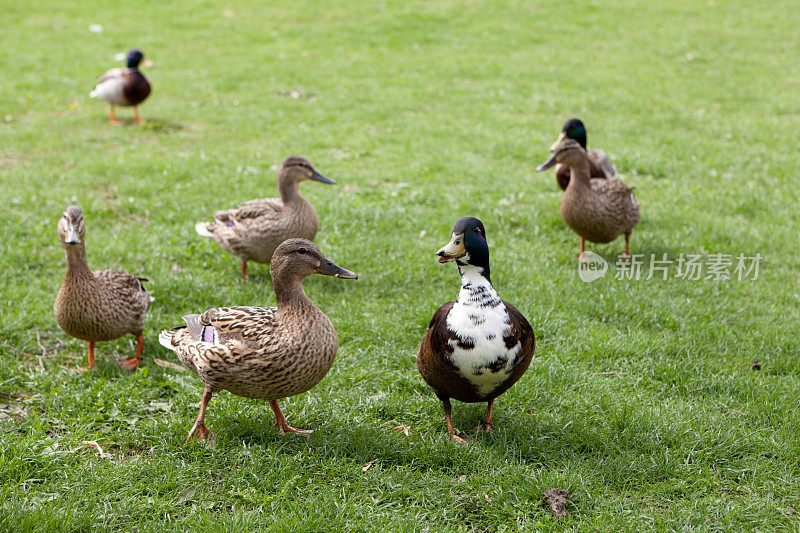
[[97, 305], [479, 345], [253, 230], [600, 165], [263, 352], [598, 210], [126, 87]]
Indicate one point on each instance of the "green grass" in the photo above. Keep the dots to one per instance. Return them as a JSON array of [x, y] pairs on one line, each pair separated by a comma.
[[641, 400]]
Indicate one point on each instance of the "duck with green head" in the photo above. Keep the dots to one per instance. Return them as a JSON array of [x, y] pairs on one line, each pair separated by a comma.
[[124, 86], [477, 346], [600, 165]]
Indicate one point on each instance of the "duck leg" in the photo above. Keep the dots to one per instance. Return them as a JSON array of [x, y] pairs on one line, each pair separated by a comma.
[[280, 421], [199, 428], [487, 423], [583, 242], [132, 363], [136, 118], [113, 119], [451, 433], [627, 245], [244, 270], [90, 362]]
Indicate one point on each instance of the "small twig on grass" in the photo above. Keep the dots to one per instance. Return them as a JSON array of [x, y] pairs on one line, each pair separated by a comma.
[[96, 446], [556, 500], [45, 349], [368, 465], [168, 364]]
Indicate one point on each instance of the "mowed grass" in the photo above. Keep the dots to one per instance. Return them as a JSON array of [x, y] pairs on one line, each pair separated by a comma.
[[642, 399]]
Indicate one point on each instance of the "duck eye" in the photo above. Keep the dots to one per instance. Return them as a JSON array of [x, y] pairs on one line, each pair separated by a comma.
[[302, 251]]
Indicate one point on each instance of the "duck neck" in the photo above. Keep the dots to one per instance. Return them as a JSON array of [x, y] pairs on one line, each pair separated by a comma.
[[289, 191], [289, 292], [77, 267], [475, 283], [580, 174]]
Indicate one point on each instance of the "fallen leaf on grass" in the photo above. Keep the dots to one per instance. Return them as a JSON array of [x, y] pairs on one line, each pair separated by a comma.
[[368, 465], [168, 364], [556, 500], [96, 446]]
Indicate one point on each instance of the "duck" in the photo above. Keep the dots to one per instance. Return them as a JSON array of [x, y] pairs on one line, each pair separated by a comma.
[[598, 210], [97, 305], [600, 165], [266, 353], [479, 345], [253, 230], [124, 86]]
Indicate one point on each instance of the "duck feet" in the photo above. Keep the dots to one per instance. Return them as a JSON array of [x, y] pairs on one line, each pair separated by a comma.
[[137, 119], [286, 428], [281, 424], [461, 441], [487, 424], [112, 118], [199, 428], [90, 361], [201, 432], [130, 364], [484, 427]]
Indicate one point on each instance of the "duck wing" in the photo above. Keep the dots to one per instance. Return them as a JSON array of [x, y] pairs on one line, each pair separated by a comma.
[[110, 86], [603, 163], [225, 345], [265, 208], [520, 333], [127, 291]]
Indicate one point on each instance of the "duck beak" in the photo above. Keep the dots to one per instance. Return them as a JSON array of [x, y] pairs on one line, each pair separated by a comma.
[[453, 250], [550, 163], [147, 63], [558, 141], [316, 176], [329, 268], [72, 236]]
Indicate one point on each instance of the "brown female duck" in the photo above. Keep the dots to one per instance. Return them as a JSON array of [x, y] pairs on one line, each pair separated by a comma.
[[263, 352], [254, 230], [600, 165], [97, 305], [598, 210], [124, 87], [479, 345]]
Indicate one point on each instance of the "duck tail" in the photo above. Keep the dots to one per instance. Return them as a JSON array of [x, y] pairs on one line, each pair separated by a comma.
[[202, 229], [165, 339], [93, 94]]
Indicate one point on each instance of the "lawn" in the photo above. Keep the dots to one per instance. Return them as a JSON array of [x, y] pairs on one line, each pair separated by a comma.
[[659, 404]]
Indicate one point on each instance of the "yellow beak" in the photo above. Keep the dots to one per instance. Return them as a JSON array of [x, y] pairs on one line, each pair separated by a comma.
[[453, 249]]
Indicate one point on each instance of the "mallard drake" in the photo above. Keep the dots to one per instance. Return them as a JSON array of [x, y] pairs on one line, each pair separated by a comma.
[[479, 345], [124, 87], [600, 165], [254, 230], [97, 305], [599, 210], [263, 352]]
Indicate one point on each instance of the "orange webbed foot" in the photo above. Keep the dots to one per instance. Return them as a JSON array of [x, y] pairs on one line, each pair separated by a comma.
[[130, 364], [201, 433], [286, 428]]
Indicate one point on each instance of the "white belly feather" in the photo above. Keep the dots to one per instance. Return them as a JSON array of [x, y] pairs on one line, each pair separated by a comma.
[[480, 318]]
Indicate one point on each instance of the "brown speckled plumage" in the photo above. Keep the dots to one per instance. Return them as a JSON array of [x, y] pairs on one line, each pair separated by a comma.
[[598, 210], [253, 230], [96, 305], [263, 352]]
